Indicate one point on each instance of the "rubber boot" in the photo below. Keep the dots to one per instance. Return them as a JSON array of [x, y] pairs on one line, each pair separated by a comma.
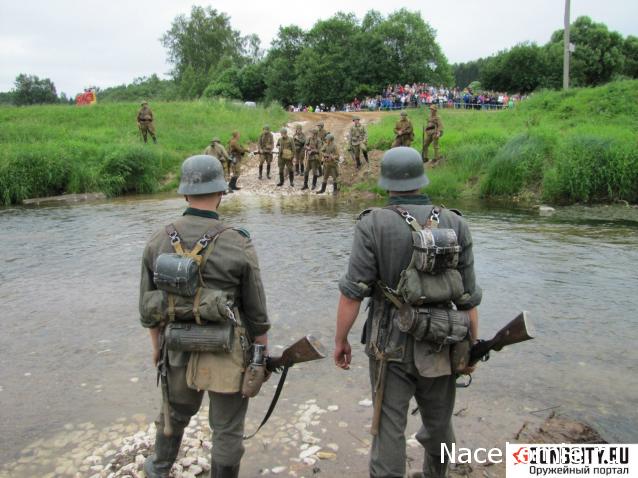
[[323, 188], [305, 183], [291, 177], [233, 183], [219, 471], [261, 171], [433, 468], [281, 178], [297, 169], [314, 181], [365, 155], [301, 168], [335, 188], [268, 170], [159, 464]]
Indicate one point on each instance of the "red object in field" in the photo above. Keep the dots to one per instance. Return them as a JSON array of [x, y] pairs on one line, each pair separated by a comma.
[[86, 98]]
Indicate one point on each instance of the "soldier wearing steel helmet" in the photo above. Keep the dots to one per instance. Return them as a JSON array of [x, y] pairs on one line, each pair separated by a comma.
[[299, 139], [404, 133], [402, 366], [237, 152], [286, 154], [230, 267], [358, 141], [145, 122], [431, 134], [265, 146]]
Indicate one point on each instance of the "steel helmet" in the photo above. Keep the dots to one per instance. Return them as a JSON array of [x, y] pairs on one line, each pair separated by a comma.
[[404, 113], [202, 174], [402, 170]]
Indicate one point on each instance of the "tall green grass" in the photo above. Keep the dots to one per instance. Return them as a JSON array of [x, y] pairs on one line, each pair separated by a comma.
[[48, 150], [564, 147]]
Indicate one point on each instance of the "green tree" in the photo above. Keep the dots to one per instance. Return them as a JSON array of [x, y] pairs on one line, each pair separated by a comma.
[[31, 90], [225, 85], [201, 41], [280, 74], [520, 69], [630, 51], [251, 82], [599, 52]]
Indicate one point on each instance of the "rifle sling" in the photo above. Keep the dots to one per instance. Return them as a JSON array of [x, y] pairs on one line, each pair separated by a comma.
[[273, 403]]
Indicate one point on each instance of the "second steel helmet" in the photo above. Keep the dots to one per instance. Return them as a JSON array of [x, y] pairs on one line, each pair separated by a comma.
[[402, 170], [202, 174]]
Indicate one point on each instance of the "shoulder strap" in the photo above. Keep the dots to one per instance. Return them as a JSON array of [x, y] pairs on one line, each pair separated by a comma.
[[176, 241], [407, 217]]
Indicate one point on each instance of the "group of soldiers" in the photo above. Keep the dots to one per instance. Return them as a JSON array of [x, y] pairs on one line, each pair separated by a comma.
[[404, 134]]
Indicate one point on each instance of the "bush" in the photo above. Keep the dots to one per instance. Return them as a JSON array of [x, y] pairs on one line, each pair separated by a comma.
[[130, 170]]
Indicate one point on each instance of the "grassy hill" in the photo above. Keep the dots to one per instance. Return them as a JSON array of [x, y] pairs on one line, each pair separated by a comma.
[[575, 146], [48, 150]]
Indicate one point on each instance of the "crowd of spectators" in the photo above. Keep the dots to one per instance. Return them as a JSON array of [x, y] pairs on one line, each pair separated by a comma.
[[422, 94]]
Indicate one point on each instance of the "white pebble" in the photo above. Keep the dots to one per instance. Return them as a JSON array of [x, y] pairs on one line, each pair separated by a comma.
[[333, 408], [92, 460], [278, 469], [309, 452], [366, 402], [309, 461], [196, 469], [135, 379], [139, 461], [188, 474], [342, 425], [333, 446], [187, 461], [412, 443]]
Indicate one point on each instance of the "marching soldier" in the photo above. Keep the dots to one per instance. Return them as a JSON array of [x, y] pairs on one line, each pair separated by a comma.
[[403, 366], [286, 147], [313, 149], [300, 141], [358, 139], [404, 134], [266, 144], [216, 149], [330, 155], [232, 269], [145, 122], [433, 131], [237, 152]]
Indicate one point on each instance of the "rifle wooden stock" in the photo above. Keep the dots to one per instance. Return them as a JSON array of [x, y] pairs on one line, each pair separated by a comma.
[[514, 332], [305, 349]]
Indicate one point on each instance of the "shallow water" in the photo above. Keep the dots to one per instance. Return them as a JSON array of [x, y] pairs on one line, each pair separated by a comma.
[[72, 350]]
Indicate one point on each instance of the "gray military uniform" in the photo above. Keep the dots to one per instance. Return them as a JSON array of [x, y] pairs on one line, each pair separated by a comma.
[[382, 248], [231, 267]]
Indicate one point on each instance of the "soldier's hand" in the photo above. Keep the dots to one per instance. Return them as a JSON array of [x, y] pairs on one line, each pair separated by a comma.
[[342, 355], [467, 370]]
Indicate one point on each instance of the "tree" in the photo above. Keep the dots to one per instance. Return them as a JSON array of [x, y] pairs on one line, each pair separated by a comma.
[[225, 85], [201, 41], [251, 82], [520, 69], [630, 51], [599, 52], [279, 71], [31, 90]]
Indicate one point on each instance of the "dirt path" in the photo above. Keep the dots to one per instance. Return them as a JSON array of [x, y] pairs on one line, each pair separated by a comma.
[[336, 123]]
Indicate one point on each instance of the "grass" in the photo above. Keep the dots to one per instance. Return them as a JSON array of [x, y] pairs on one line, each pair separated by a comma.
[[49, 150], [563, 147]]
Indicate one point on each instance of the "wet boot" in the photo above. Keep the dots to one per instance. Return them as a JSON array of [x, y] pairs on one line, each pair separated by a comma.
[[301, 169], [233, 183], [291, 177], [433, 468], [219, 471], [268, 170], [323, 188], [305, 183], [335, 188], [365, 155], [261, 170], [314, 181], [159, 464], [281, 179]]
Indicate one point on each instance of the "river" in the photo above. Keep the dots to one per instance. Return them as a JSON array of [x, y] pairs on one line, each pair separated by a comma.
[[72, 352]]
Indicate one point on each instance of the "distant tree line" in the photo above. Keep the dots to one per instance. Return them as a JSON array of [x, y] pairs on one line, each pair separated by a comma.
[[600, 56]]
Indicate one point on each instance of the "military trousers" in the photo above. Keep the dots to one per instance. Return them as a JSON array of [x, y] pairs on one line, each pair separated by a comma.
[[330, 168], [312, 165], [431, 139], [299, 156], [226, 416], [265, 157], [404, 140], [285, 166], [435, 398], [147, 127], [235, 167]]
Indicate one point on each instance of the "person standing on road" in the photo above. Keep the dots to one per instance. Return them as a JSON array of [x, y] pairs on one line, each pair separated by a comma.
[[313, 148], [300, 142], [403, 365], [330, 155], [228, 268], [145, 122], [404, 133], [358, 141], [216, 149], [433, 131], [237, 152], [286, 148], [265, 144]]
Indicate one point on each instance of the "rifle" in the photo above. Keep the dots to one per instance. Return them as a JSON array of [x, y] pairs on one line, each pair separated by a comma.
[[514, 332], [306, 349], [379, 386], [162, 377]]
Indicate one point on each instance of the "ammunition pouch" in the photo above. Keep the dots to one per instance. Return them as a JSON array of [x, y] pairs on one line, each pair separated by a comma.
[[436, 325], [418, 288], [189, 337], [210, 305], [287, 154], [177, 274], [460, 355]]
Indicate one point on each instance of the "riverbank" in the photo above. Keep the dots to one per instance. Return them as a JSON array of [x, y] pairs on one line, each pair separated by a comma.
[[560, 147], [52, 150]]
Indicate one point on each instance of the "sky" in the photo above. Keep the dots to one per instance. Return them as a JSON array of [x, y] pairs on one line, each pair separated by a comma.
[[105, 43]]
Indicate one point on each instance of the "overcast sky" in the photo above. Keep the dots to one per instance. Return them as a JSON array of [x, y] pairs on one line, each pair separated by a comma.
[[106, 43]]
